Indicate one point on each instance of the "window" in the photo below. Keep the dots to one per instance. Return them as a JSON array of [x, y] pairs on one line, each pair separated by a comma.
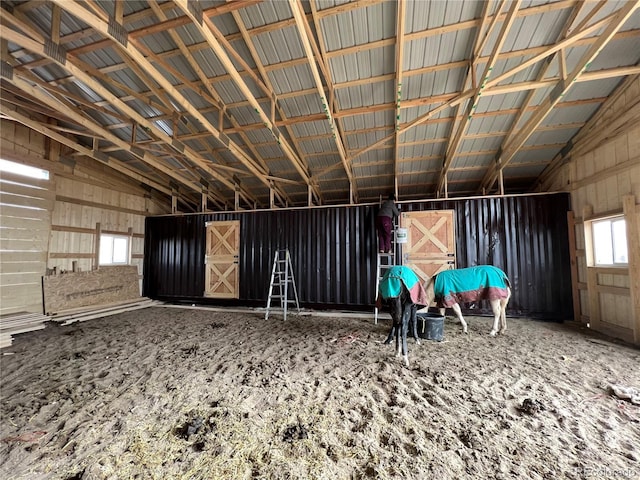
[[114, 250], [20, 169], [610, 241]]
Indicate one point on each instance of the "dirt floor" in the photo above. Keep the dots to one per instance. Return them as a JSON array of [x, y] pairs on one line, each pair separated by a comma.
[[174, 393]]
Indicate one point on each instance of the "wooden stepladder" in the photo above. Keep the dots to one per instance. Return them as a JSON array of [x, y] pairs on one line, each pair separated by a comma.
[[281, 277]]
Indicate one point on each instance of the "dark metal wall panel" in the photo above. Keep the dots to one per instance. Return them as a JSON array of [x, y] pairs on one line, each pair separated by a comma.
[[334, 249], [527, 237]]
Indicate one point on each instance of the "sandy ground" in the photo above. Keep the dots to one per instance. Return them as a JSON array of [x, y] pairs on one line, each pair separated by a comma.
[[191, 394]]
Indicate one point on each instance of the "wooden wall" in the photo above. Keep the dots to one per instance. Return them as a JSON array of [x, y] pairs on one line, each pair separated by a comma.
[[81, 199], [25, 218], [603, 176]]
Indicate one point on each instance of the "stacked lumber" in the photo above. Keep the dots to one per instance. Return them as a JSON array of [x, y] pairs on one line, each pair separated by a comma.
[[69, 316], [20, 322]]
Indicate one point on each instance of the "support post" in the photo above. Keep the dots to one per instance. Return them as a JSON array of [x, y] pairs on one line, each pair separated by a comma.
[[174, 202], [632, 219], [96, 248], [575, 291]]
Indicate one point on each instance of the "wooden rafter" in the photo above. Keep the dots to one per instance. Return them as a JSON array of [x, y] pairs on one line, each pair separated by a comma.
[[275, 106], [83, 76], [206, 28], [130, 49], [478, 89], [215, 97], [526, 104], [400, 22], [510, 149], [98, 130], [470, 82], [303, 32], [112, 162]]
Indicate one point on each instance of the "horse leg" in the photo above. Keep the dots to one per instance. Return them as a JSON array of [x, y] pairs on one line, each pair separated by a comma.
[[414, 322], [458, 312], [503, 314], [406, 315], [496, 308], [396, 312], [391, 334], [397, 322]]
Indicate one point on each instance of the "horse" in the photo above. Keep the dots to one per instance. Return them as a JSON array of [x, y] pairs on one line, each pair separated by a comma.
[[449, 288], [401, 290]]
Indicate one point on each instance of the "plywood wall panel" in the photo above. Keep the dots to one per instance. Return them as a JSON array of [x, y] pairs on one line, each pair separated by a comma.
[[616, 310], [99, 287], [603, 174], [21, 298]]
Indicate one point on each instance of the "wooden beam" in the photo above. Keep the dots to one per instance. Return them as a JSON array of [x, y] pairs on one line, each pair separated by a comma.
[[303, 32], [561, 88], [110, 161], [131, 49], [214, 41], [400, 40], [275, 104], [632, 220], [472, 103], [215, 97], [76, 117], [73, 114]]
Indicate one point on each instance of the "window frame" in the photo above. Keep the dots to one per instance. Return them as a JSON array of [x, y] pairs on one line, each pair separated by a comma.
[[114, 237], [591, 243]]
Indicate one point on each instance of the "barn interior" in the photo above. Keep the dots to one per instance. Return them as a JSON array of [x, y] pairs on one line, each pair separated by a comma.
[[166, 152]]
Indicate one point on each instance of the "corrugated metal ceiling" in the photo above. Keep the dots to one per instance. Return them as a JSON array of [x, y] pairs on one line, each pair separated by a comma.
[[291, 97]]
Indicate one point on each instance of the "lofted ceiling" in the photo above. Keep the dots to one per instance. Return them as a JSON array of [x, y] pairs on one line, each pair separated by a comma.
[[259, 104]]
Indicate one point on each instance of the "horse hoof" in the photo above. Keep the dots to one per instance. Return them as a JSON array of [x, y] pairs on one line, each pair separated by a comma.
[[492, 334]]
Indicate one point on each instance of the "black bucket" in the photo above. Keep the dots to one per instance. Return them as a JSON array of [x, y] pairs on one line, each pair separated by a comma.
[[430, 326]]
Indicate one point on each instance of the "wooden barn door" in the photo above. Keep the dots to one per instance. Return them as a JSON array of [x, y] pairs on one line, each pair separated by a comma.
[[221, 259], [430, 246]]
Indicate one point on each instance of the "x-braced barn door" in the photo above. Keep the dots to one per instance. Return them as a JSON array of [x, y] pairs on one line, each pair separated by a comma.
[[221, 259], [430, 246]]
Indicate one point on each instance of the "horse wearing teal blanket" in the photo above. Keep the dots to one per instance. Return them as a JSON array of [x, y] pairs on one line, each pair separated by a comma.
[[449, 288], [401, 290]]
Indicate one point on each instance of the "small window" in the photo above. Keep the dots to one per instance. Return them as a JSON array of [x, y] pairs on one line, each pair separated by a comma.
[[610, 241], [114, 250]]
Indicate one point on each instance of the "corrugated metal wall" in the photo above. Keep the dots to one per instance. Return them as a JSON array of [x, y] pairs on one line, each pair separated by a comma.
[[333, 252]]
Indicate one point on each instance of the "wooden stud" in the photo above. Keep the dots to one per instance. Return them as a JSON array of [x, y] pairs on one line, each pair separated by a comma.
[[575, 292], [594, 298], [632, 219], [203, 199], [446, 185], [130, 252], [55, 24], [96, 248]]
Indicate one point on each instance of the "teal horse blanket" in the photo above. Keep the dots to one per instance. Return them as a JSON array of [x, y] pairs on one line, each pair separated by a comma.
[[398, 276], [464, 285]]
